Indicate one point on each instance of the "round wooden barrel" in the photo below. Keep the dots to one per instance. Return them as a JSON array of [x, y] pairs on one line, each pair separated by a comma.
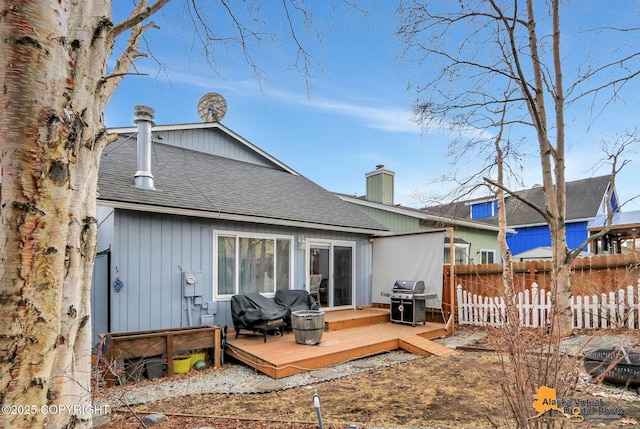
[[307, 326]]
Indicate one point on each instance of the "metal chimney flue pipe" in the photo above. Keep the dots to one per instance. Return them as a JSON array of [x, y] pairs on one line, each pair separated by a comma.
[[144, 120]]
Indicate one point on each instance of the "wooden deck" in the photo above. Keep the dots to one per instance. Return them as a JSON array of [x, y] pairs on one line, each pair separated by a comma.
[[348, 335]]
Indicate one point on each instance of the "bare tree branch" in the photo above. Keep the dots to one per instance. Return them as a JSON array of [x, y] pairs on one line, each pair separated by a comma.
[[130, 54], [139, 14], [616, 153]]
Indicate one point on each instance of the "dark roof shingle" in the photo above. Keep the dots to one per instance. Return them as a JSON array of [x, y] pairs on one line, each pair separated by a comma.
[[194, 180], [584, 198]]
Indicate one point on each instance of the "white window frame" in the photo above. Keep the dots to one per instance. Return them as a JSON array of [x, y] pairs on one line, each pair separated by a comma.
[[331, 244], [482, 252], [457, 246], [260, 236]]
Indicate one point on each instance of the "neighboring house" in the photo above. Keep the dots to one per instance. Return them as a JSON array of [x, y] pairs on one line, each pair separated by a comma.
[[197, 214], [540, 254], [474, 242], [586, 200], [623, 236]]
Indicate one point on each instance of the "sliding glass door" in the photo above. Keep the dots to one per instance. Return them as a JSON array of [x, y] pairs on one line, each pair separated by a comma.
[[342, 277], [334, 262]]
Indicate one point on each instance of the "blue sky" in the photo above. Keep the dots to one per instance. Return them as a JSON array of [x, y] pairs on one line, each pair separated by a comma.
[[355, 113]]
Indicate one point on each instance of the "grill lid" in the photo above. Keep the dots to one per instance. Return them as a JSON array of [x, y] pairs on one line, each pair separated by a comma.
[[408, 286]]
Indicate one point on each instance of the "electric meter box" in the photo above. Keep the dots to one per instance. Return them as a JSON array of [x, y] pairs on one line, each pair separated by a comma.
[[192, 283], [207, 319]]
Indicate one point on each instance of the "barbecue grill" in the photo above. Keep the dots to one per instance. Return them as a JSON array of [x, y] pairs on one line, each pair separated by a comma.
[[408, 301]]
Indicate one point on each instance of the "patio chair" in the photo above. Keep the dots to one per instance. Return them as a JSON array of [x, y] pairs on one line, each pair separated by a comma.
[[315, 282], [254, 312], [295, 300]]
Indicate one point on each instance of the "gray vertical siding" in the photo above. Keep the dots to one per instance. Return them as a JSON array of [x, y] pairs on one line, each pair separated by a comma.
[[105, 227], [364, 269], [150, 250], [100, 297], [213, 141]]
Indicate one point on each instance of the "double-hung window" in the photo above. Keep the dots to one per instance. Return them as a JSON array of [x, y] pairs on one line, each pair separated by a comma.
[[245, 263]]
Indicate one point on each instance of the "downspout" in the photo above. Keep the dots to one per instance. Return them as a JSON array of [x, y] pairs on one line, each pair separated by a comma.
[[144, 120]]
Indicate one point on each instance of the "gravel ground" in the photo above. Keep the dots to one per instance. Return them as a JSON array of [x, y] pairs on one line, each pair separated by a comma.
[[239, 378]]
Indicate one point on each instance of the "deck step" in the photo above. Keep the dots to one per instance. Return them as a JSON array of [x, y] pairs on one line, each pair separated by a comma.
[[421, 346], [347, 319]]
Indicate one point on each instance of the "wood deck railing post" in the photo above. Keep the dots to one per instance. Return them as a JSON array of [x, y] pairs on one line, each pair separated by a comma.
[[217, 352], [169, 340], [452, 280]]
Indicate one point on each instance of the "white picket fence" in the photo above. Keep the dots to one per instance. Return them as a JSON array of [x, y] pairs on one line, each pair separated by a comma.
[[608, 310]]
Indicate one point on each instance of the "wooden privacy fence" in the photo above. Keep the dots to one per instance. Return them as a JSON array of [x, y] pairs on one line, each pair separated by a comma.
[[620, 309], [593, 275]]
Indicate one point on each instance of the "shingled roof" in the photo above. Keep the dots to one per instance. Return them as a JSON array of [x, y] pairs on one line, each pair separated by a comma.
[[200, 184], [584, 199]]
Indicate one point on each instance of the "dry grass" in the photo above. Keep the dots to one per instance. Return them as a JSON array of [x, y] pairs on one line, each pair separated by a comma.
[[453, 392], [445, 392]]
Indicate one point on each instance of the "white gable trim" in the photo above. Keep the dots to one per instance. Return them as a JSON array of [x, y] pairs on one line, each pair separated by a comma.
[[208, 125]]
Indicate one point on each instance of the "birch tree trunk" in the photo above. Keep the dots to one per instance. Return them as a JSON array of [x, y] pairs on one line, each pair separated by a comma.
[[553, 169], [552, 156], [53, 60]]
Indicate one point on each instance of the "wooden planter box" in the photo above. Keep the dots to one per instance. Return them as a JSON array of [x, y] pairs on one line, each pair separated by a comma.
[[172, 341]]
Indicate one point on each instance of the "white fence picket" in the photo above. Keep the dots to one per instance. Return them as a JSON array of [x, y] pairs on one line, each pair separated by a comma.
[[535, 303], [613, 320], [622, 319], [612, 310], [577, 312], [594, 310], [632, 309], [604, 320]]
